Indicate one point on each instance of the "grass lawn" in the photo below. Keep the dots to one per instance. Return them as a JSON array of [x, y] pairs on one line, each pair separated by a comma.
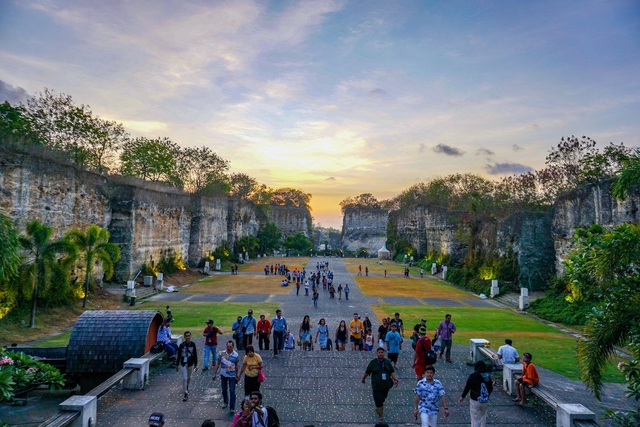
[[193, 315], [392, 267], [59, 340], [413, 287], [550, 349], [239, 284], [257, 265]]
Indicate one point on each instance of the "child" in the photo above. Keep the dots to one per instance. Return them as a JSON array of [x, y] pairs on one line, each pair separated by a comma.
[[289, 341], [368, 341]]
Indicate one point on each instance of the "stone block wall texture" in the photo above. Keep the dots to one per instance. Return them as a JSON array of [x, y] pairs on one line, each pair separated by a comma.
[[147, 221], [592, 204], [291, 220], [364, 228]]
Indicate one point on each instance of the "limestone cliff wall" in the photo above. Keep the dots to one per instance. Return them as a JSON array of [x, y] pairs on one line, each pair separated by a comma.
[[593, 204], [147, 221], [364, 228], [291, 220]]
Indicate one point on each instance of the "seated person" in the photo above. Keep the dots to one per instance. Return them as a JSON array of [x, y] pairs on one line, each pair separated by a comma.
[[529, 379], [507, 353], [289, 341], [164, 336]]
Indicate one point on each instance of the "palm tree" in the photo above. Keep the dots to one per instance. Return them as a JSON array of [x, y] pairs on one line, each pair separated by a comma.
[[41, 252], [9, 255], [94, 244], [627, 178]]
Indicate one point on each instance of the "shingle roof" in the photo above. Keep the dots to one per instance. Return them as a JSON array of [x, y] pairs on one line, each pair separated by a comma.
[[102, 340]]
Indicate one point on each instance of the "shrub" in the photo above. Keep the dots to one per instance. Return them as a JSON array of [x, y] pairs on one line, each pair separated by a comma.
[[554, 307], [20, 373]]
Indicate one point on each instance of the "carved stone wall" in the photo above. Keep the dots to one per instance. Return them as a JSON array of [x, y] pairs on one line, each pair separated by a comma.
[[364, 228]]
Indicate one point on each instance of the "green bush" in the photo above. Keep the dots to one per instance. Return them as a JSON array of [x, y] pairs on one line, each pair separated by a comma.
[[20, 373], [555, 308], [171, 262]]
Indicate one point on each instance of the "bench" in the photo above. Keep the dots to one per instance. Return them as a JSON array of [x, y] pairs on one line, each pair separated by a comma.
[[546, 396], [585, 423], [61, 419]]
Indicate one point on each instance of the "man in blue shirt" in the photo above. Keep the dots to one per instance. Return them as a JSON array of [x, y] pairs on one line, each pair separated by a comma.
[[237, 333], [278, 326], [227, 365], [393, 340], [248, 328]]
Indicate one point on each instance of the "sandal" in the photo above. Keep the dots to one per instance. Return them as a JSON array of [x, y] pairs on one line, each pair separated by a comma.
[[516, 400]]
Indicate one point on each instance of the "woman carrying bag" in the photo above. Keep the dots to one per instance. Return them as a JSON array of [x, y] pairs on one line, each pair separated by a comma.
[[251, 367]]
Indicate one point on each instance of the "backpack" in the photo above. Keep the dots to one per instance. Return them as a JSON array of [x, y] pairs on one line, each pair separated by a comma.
[[430, 356], [272, 417], [157, 347], [484, 393]]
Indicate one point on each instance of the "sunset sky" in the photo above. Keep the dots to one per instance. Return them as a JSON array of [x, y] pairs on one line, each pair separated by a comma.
[[339, 98]]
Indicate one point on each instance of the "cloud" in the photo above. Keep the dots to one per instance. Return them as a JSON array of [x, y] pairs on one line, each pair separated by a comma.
[[13, 94], [516, 147], [421, 148], [507, 168], [331, 178], [448, 150], [378, 92], [484, 152]]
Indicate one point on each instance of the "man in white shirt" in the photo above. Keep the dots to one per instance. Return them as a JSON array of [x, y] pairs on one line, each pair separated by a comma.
[[507, 353], [259, 415]]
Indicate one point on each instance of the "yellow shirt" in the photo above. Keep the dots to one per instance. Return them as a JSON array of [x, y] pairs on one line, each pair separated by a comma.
[[356, 327], [252, 362]]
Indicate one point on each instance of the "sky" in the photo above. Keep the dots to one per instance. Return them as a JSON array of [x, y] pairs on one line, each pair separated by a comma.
[[339, 98]]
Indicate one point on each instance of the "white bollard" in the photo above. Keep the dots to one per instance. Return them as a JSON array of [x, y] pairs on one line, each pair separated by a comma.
[[495, 289], [508, 376], [86, 405], [434, 269], [444, 272], [524, 299], [137, 379]]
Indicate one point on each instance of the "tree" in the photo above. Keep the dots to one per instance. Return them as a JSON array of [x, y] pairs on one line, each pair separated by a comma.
[[150, 159], [628, 177], [269, 237], [298, 242], [15, 124], [95, 247], [41, 252], [291, 197], [604, 266], [363, 201], [247, 244], [243, 186], [10, 244], [198, 169]]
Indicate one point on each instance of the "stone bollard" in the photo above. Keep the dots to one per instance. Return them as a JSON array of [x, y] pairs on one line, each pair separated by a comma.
[[207, 267], [148, 281], [218, 265], [444, 272], [474, 343], [508, 380], [137, 379], [131, 289], [434, 269], [567, 413], [86, 405], [160, 282], [495, 289], [524, 298]]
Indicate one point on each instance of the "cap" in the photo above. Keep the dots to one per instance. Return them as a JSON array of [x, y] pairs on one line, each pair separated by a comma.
[[423, 320], [156, 419], [210, 321], [423, 330]]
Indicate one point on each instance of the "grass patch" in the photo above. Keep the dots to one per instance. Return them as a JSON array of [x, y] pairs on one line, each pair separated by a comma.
[[239, 284], [193, 315], [551, 349], [59, 340], [392, 267], [257, 265], [412, 288]]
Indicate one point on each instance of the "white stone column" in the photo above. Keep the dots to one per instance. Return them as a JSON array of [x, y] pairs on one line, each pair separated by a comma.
[[137, 379], [524, 298], [444, 272], [474, 343], [508, 372], [434, 269], [86, 405], [207, 267], [495, 289]]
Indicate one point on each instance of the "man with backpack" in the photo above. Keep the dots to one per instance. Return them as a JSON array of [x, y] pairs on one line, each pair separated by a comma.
[[424, 355], [248, 328], [262, 416], [480, 385]]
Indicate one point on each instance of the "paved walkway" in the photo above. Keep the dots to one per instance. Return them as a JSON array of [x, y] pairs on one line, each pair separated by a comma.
[[324, 388]]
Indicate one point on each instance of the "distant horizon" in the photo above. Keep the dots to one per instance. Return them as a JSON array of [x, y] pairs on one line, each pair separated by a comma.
[[339, 97]]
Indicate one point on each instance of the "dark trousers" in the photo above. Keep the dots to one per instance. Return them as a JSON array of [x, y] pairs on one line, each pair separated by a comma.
[[247, 339], [278, 341], [251, 384], [239, 343], [263, 341], [230, 383], [297, 290]]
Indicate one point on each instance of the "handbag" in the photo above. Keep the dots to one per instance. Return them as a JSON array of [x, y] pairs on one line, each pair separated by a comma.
[[261, 376]]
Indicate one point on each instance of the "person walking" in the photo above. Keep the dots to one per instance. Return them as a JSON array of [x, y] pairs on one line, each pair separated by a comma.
[[346, 292], [427, 392], [251, 366], [340, 291], [305, 333], [341, 336], [356, 328], [244, 415], [187, 362], [278, 326], [227, 365], [306, 288], [248, 328], [210, 335], [315, 297], [260, 416], [237, 333], [445, 332], [393, 340], [262, 333], [322, 333], [422, 346], [382, 333], [480, 385], [383, 378]]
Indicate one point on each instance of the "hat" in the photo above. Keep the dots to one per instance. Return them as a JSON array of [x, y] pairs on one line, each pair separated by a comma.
[[156, 419], [422, 330], [250, 312], [423, 320], [167, 320], [210, 321]]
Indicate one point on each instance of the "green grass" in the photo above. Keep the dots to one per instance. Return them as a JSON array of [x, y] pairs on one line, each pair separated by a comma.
[[59, 340], [550, 348], [193, 315]]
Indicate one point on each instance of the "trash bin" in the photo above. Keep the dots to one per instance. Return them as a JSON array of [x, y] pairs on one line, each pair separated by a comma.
[[133, 300]]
